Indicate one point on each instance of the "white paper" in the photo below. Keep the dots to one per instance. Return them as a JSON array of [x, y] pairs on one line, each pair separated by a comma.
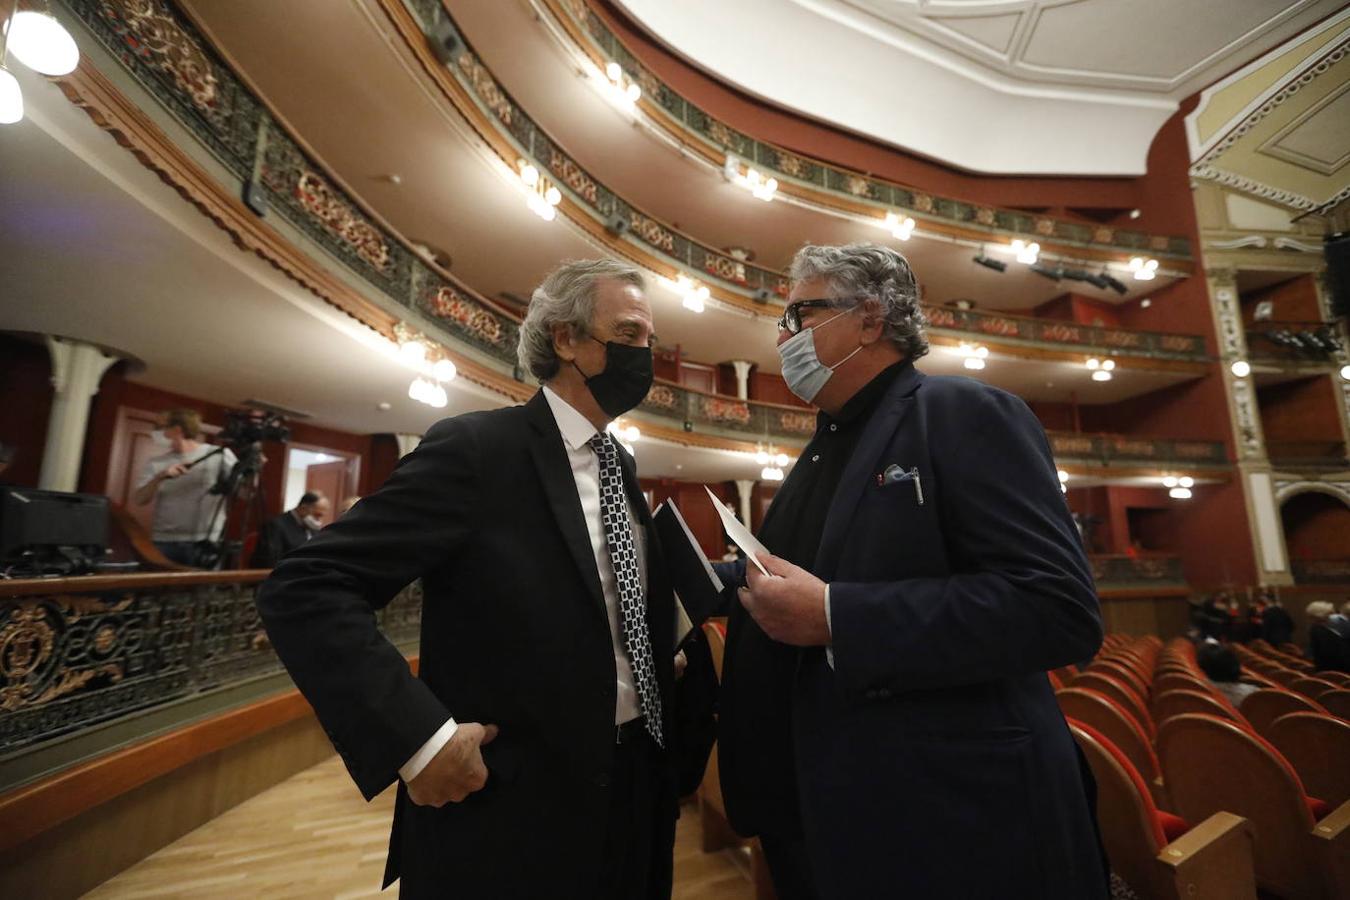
[[739, 534]]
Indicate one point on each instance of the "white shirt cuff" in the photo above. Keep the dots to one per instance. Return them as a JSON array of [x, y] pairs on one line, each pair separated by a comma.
[[413, 767], [829, 626]]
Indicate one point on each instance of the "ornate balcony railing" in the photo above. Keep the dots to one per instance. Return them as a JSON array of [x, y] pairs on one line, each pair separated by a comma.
[[1145, 570], [164, 54], [849, 186], [744, 419], [1321, 571], [1308, 454], [91, 650], [1121, 449], [1063, 335]]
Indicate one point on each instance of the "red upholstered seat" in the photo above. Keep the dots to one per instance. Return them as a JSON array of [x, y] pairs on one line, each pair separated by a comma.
[[1172, 826]]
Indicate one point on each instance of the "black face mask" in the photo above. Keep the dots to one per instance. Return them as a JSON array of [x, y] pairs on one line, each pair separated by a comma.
[[626, 379]]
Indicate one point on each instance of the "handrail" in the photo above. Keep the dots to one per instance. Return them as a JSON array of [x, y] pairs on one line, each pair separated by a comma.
[[1109, 448]]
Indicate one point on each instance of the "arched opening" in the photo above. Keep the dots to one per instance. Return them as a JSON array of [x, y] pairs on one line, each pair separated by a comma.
[[1317, 533]]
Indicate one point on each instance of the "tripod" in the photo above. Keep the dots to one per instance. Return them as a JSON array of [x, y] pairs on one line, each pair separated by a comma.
[[242, 482]]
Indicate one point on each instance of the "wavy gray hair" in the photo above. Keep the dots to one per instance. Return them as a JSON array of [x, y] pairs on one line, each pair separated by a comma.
[[566, 297], [873, 271]]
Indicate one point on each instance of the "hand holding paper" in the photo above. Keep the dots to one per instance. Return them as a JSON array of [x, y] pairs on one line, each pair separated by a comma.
[[788, 603], [738, 532]]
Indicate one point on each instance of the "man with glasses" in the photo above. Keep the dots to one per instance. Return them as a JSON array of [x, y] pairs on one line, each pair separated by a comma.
[[886, 725]]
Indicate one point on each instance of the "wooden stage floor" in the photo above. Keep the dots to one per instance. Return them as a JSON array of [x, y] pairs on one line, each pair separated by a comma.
[[313, 836]]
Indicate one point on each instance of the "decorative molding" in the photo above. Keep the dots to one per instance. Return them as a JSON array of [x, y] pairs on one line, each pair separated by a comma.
[[1254, 241], [1247, 420], [1206, 166], [1288, 243], [1232, 338], [846, 190], [1286, 489]]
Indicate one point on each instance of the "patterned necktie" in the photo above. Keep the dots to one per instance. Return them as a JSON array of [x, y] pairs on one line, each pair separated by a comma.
[[623, 555]]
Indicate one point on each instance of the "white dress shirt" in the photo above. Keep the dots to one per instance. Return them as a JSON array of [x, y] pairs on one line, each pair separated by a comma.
[[576, 431]]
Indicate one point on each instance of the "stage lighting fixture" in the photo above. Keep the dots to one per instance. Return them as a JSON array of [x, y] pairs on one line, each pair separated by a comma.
[[1076, 274], [1113, 283], [1098, 281], [995, 264], [1047, 272]]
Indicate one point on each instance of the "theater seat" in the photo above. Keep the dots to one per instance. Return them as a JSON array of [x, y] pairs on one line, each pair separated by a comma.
[[1102, 714], [1175, 703], [1337, 703], [1213, 764], [1154, 852], [1122, 694], [1262, 708], [1318, 747]]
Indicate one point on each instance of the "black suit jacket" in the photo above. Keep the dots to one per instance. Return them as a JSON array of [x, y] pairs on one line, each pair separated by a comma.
[[514, 632], [276, 538], [932, 760]]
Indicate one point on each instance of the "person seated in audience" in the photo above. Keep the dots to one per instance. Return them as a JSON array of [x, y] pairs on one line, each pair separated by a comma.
[[1213, 619], [186, 512], [290, 529], [1328, 637], [1277, 627], [1220, 665]]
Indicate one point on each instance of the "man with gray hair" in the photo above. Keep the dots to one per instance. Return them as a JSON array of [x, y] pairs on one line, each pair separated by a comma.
[[532, 749], [886, 725]]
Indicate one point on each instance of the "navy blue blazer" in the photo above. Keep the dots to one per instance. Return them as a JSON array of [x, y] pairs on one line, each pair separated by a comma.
[[932, 759]]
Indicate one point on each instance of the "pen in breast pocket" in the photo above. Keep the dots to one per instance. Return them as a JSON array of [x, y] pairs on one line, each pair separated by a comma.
[[918, 485]]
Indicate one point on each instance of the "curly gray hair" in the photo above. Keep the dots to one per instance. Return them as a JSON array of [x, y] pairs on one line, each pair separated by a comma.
[[876, 272], [567, 297]]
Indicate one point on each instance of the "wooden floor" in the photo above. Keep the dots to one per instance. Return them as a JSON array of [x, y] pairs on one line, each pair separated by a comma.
[[313, 836]]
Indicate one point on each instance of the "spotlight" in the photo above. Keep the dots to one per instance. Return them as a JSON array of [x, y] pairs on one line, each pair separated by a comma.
[[1063, 476], [1075, 274], [1170, 481], [1026, 253], [997, 265], [1345, 373], [1101, 282], [1047, 272], [1179, 493], [974, 363], [1101, 375], [1186, 481], [1241, 368]]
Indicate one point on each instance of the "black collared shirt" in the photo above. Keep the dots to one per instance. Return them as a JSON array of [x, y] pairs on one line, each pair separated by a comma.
[[796, 520]]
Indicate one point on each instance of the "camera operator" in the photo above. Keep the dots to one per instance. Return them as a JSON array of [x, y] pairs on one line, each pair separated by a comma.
[[186, 513]]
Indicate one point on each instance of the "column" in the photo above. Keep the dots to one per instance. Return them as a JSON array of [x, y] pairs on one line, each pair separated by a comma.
[[742, 367], [407, 443], [77, 369], [743, 491]]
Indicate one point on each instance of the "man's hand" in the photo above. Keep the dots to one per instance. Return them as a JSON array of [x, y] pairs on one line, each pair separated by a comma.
[[788, 603], [174, 471], [457, 770]]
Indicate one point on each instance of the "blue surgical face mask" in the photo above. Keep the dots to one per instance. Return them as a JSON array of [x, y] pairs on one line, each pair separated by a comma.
[[803, 371]]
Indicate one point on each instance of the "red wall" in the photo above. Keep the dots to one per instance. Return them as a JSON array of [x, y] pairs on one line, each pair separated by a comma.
[[1316, 526], [25, 383], [1300, 411], [698, 513], [1294, 301]]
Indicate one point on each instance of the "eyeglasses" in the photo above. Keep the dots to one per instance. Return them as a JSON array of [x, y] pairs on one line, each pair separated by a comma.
[[791, 322]]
